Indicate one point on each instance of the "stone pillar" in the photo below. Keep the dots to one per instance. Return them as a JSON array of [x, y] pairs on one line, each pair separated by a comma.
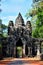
[[28, 51], [14, 54], [38, 51], [24, 50], [41, 47], [31, 51]]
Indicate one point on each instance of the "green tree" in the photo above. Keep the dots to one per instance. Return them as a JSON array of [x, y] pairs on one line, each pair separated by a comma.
[[37, 16], [39, 23], [3, 27]]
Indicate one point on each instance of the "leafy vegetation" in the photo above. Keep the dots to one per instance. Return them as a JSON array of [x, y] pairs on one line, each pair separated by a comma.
[[37, 16], [3, 27]]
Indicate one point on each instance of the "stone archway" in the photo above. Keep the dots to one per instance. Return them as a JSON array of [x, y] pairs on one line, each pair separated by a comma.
[[19, 49]]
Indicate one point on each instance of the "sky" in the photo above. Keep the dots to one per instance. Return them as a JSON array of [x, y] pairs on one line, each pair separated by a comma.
[[11, 9]]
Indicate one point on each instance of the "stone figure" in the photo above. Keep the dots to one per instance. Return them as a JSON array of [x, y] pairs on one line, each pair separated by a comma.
[[19, 21], [28, 28], [11, 28]]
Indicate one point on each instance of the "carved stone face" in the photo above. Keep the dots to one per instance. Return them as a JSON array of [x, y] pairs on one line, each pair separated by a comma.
[[19, 20], [11, 28], [11, 23], [28, 25]]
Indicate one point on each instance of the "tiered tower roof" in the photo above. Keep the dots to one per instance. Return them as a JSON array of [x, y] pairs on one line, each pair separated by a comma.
[[19, 20]]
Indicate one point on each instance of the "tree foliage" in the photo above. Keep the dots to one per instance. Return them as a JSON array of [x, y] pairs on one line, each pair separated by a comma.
[[37, 15], [3, 27]]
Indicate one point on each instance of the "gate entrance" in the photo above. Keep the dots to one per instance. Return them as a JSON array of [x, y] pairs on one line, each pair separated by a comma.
[[19, 49]]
